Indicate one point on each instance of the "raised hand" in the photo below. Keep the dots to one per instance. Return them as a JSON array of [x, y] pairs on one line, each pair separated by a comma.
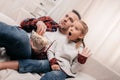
[[41, 27], [82, 57], [86, 52]]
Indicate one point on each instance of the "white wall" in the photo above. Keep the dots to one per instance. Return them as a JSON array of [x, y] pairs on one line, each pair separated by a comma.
[[103, 19]]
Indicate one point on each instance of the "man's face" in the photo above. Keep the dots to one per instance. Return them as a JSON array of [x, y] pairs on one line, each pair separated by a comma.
[[67, 20]]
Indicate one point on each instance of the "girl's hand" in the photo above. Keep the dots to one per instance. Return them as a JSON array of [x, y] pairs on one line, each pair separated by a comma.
[[41, 27], [55, 67], [86, 52], [82, 57]]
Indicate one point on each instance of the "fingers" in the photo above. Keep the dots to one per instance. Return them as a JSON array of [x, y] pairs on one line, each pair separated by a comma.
[[55, 67], [38, 24], [86, 52], [41, 27], [43, 30]]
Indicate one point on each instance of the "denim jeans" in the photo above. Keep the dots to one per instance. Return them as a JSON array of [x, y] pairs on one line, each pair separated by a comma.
[[15, 41], [41, 66]]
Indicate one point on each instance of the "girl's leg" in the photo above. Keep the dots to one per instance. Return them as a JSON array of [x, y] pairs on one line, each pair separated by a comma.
[[54, 75], [15, 40], [9, 65]]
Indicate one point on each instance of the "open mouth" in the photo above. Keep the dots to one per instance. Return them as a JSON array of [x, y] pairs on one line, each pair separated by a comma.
[[69, 33], [62, 23]]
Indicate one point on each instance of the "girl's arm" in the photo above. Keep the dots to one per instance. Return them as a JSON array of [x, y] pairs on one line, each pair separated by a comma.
[[51, 54], [82, 57], [51, 57], [80, 60]]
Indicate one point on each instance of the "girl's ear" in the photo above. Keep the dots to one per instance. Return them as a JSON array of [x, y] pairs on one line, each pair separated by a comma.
[[81, 36]]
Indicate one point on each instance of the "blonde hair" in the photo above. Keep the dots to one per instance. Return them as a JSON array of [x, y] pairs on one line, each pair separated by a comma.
[[85, 28], [83, 32]]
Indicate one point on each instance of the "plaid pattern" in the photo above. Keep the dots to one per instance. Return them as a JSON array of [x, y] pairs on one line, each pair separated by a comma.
[[29, 24]]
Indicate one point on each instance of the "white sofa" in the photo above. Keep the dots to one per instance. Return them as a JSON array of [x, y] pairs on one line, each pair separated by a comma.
[[7, 19], [92, 70]]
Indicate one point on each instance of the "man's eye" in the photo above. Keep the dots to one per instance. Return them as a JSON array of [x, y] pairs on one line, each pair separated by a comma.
[[71, 20], [66, 15]]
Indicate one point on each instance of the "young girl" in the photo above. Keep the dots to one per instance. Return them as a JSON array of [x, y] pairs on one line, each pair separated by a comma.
[[66, 55]]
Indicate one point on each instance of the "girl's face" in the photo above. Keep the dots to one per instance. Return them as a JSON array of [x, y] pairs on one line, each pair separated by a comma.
[[74, 31]]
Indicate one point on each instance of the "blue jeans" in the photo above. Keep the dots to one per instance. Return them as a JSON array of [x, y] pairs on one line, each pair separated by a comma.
[[15, 41], [41, 66]]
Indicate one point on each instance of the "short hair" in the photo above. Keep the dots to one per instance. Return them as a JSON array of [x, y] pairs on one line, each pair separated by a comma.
[[76, 12]]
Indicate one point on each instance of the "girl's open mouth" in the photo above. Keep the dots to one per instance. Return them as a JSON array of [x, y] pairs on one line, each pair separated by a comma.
[[69, 33]]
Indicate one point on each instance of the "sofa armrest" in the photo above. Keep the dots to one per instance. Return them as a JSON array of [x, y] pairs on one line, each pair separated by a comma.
[[6, 19]]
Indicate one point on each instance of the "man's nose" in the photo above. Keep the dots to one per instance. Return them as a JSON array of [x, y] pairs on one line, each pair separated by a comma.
[[65, 20]]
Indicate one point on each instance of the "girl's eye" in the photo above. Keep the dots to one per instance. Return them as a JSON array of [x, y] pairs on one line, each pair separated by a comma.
[[76, 28]]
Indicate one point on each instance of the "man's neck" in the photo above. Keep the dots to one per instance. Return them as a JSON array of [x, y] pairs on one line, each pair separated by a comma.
[[63, 31]]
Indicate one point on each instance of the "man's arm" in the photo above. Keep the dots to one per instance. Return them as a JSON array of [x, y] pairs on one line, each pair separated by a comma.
[[29, 24]]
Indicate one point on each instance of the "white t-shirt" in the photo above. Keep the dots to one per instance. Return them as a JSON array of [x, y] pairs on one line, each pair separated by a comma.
[[52, 36], [66, 54]]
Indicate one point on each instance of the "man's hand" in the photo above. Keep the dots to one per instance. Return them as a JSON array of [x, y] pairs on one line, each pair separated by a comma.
[[55, 67], [41, 27]]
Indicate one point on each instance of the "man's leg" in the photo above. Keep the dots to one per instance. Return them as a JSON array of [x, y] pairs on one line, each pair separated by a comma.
[[28, 65], [15, 41], [34, 66], [9, 65]]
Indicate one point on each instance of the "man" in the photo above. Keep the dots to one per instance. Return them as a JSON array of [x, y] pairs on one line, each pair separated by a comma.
[[48, 67], [36, 66], [54, 30], [64, 23], [22, 47]]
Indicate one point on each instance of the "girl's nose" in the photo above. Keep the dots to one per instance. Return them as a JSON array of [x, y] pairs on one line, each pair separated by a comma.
[[71, 29]]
